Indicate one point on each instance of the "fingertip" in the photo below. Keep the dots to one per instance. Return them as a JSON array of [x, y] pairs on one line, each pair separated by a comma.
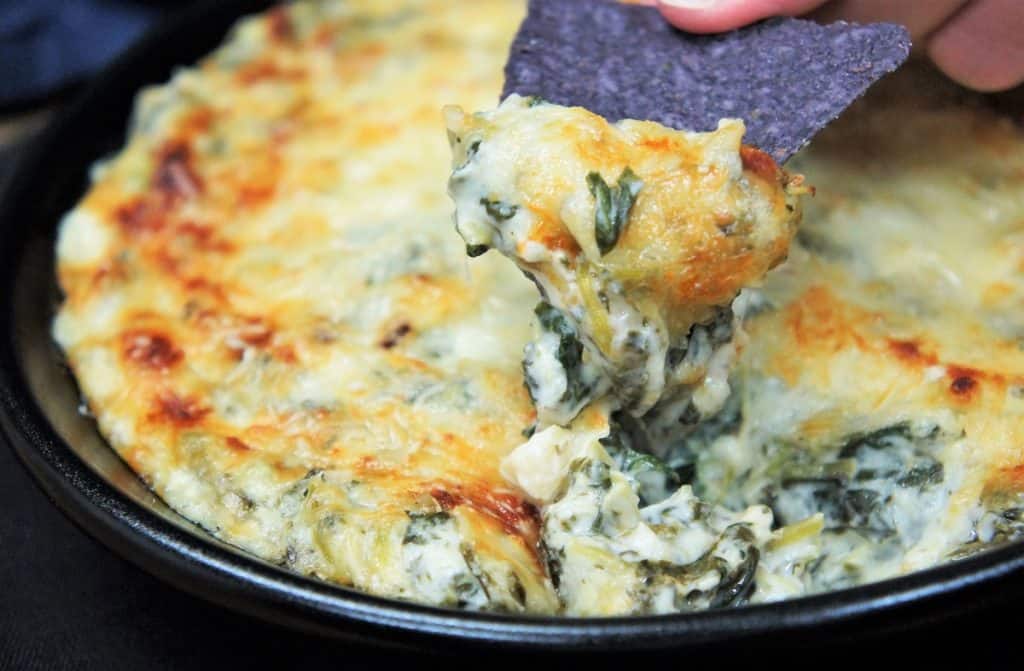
[[980, 47], [702, 16], [716, 16], [980, 74]]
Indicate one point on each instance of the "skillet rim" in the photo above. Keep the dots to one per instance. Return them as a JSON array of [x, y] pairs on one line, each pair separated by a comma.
[[251, 586]]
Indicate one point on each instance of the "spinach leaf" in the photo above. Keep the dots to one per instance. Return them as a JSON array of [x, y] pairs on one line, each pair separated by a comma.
[[1002, 523], [613, 204], [628, 446], [923, 475], [423, 527], [738, 584], [854, 487], [498, 210], [845, 508], [570, 350], [735, 579]]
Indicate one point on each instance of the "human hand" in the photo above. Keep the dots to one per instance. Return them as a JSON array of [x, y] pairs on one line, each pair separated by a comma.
[[978, 43]]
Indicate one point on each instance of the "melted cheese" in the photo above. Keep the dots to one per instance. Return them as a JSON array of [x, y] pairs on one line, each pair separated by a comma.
[[634, 233], [273, 323], [270, 318]]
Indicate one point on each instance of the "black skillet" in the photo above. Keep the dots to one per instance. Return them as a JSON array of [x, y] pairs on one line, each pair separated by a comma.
[[81, 474]]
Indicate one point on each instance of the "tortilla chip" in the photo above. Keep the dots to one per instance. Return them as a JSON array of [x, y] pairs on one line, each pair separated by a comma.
[[786, 78]]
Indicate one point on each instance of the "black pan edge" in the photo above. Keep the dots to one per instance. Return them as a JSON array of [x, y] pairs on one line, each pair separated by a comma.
[[28, 216]]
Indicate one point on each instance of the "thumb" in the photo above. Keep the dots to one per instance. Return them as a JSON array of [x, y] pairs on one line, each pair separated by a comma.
[[715, 16]]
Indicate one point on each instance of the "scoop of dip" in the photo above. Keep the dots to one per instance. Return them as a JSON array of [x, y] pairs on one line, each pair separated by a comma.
[[639, 238]]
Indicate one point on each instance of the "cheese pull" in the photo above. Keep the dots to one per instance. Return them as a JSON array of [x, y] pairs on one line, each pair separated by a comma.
[[640, 240]]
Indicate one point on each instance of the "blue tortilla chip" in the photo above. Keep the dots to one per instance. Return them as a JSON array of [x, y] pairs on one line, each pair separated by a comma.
[[786, 78]]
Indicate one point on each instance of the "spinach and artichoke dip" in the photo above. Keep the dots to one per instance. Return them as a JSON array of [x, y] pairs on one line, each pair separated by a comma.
[[639, 239], [274, 323], [638, 323]]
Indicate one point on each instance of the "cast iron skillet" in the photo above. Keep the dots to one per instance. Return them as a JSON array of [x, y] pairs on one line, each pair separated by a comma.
[[39, 415]]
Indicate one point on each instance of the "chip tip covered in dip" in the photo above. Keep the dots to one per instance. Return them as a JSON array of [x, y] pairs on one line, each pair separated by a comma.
[[639, 238]]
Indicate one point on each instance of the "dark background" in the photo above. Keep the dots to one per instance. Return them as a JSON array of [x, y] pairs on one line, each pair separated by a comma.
[[68, 603]]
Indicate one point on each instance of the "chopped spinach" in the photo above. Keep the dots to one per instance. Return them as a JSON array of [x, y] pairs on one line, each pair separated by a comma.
[[897, 453], [738, 584], [923, 475], [459, 172], [569, 353], [498, 210], [1002, 523], [854, 486], [612, 206], [735, 579], [674, 356], [628, 446], [845, 508], [879, 439], [702, 340], [1008, 525], [593, 473], [681, 453], [423, 526], [553, 560], [726, 421], [470, 586], [517, 590]]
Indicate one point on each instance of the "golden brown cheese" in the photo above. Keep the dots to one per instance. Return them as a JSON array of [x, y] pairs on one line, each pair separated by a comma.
[[261, 292], [708, 218], [633, 232], [274, 325], [902, 299]]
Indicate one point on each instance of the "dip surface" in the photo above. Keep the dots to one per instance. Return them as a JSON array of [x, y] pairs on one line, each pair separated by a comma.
[[274, 323]]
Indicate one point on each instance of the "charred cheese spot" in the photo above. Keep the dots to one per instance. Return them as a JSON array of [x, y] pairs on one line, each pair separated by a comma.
[[964, 382], [760, 164], [177, 411], [237, 445], [963, 385], [204, 237], [139, 217], [515, 515], [279, 25], [395, 335], [1007, 478], [199, 285], [286, 353], [254, 332], [151, 349], [175, 177], [260, 71], [910, 351]]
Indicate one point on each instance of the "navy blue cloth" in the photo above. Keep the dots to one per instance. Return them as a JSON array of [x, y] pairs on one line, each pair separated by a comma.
[[49, 45]]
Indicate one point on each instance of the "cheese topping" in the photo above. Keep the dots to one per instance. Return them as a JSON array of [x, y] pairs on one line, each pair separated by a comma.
[[272, 321], [638, 237]]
